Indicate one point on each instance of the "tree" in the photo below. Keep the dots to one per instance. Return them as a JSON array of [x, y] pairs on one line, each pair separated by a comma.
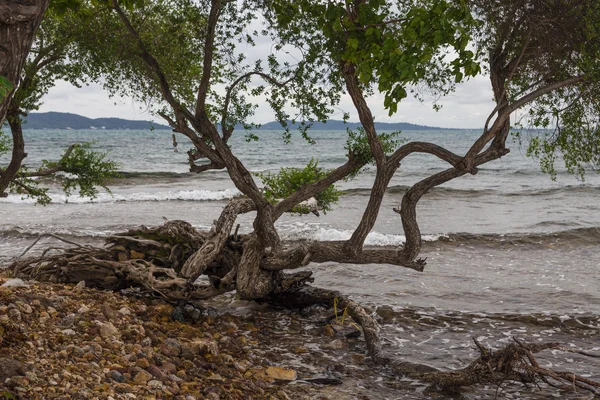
[[47, 62], [18, 24], [352, 47]]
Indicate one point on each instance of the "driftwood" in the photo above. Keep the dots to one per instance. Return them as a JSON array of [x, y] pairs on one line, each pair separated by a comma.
[[166, 261]]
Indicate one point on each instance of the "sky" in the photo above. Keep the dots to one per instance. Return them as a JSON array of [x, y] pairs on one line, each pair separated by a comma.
[[468, 107]]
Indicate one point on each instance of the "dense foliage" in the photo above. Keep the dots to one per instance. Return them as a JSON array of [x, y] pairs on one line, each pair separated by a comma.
[[288, 180]]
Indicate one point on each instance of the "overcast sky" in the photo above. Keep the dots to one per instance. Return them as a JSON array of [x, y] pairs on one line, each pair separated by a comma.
[[468, 107]]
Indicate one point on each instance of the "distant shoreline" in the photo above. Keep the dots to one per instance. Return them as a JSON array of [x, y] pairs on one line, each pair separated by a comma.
[[68, 121]]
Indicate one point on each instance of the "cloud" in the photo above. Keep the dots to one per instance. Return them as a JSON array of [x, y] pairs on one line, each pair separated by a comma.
[[467, 107]]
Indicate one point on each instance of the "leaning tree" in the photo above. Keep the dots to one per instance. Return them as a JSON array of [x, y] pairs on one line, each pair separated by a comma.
[[540, 55], [47, 62]]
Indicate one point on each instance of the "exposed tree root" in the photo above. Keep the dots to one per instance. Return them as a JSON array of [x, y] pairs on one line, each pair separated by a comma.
[[151, 258]]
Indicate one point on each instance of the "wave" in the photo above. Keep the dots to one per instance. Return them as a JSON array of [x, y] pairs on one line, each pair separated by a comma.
[[451, 192], [580, 236], [181, 195], [324, 234]]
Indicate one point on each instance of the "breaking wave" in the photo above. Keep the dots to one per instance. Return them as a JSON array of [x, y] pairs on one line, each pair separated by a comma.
[[173, 195]]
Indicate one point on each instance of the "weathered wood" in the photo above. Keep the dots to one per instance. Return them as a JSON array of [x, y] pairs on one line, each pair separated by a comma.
[[252, 281], [195, 265]]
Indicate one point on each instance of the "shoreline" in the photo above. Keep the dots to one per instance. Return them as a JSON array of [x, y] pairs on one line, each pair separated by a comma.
[[70, 342]]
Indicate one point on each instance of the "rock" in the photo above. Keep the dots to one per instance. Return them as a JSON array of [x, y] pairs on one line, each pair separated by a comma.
[[328, 331], [200, 347], [142, 363], [168, 367], [154, 384], [335, 344], [146, 342], [68, 332], [171, 348], [216, 377], [24, 308], [108, 330], [125, 311], [281, 374], [14, 315], [109, 312], [156, 372], [142, 377], [10, 367], [83, 309], [79, 287], [136, 255], [116, 376], [177, 315], [122, 256], [213, 396], [386, 313], [163, 312], [67, 322], [16, 282]]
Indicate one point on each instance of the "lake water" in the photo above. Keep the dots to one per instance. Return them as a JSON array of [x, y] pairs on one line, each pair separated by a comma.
[[510, 252]]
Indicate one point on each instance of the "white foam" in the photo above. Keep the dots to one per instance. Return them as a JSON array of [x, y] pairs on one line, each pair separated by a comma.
[[186, 195], [319, 233]]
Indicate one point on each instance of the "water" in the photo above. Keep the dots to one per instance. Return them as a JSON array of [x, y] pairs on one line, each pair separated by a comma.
[[510, 252]]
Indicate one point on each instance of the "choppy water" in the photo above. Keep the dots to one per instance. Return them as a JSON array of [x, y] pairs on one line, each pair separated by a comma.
[[510, 252]]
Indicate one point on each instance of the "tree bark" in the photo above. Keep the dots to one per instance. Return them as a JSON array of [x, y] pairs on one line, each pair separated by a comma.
[[18, 155], [19, 21]]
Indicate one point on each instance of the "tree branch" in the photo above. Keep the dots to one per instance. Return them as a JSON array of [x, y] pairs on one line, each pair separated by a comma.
[[226, 131], [213, 19]]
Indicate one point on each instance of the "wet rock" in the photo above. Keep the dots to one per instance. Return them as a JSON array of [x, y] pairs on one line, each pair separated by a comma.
[[386, 313], [335, 345], [328, 331], [281, 374], [171, 348]]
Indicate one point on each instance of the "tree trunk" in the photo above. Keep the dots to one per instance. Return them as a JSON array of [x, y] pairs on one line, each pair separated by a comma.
[[19, 21], [18, 154]]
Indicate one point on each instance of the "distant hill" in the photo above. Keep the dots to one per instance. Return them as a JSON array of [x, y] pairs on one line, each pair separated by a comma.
[[56, 120], [336, 125]]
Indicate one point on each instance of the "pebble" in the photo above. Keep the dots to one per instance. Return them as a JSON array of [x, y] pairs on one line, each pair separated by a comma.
[[116, 376], [171, 348], [142, 377]]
